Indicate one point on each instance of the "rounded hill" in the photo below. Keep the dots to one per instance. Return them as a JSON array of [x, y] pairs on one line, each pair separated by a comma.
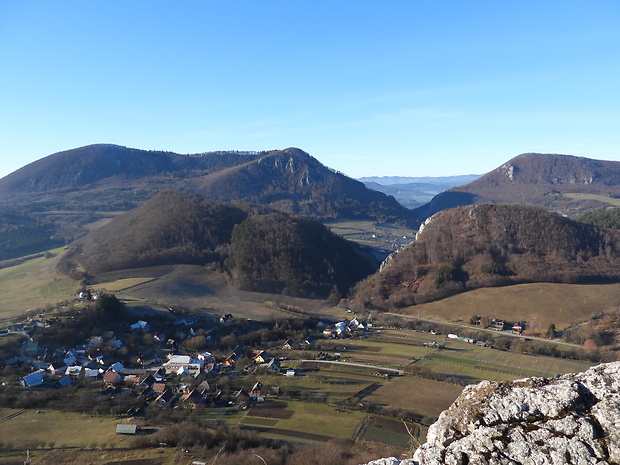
[[492, 245], [258, 250]]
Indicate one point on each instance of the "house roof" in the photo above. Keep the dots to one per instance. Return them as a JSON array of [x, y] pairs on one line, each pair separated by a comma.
[[111, 376], [184, 359], [64, 381], [204, 386], [118, 367], [148, 380], [124, 428], [159, 387], [165, 396], [34, 379]]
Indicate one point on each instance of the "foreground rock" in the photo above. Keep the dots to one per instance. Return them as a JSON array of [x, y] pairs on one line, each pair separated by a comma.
[[572, 419]]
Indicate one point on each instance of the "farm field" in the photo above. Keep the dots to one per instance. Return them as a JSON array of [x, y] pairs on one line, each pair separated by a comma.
[[370, 233], [306, 421], [32, 430], [33, 284], [426, 397], [600, 198], [537, 305], [123, 284]]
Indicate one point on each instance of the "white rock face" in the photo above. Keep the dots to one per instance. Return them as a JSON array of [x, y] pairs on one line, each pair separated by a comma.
[[572, 419]]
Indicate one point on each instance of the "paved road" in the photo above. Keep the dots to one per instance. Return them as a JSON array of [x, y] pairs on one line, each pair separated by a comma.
[[472, 328]]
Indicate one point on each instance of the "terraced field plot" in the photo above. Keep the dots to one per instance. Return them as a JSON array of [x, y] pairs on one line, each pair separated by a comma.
[[386, 431], [304, 421], [422, 396], [473, 364], [36, 429]]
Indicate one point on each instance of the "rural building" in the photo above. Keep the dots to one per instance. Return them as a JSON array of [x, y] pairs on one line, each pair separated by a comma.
[[256, 389], [192, 399], [118, 367], [125, 428], [184, 363], [33, 379], [289, 344], [111, 377], [140, 325], [231, 360], [75, 372], [272, 366], [260, 356], [165, 398]]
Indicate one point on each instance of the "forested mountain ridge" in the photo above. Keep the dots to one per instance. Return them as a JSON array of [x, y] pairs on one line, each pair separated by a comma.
[[65, 191], [289, 180], [542, 179], [292, 181], [259, 250], [75, 168], [492, 245]]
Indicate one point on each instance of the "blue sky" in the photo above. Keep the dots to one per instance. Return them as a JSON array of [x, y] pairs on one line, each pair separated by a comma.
[[407, 88]]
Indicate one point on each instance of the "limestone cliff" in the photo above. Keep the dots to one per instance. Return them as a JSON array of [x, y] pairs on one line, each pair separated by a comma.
[[571, 419]]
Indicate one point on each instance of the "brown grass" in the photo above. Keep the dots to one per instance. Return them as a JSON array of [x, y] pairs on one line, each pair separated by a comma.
[[423, 396], [538, 305], [33, 284]]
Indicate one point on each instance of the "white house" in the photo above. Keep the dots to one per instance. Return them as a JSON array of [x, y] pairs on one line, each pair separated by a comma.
[[183, 361]]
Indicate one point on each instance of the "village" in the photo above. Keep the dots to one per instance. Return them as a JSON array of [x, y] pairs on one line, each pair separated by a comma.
[[162, 362]]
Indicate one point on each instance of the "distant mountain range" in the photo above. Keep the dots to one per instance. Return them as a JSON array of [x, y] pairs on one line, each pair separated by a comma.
[[413, 192]]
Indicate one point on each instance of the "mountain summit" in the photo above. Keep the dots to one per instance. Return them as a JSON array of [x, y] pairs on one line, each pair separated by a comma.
[[287, 180], [562, 183]]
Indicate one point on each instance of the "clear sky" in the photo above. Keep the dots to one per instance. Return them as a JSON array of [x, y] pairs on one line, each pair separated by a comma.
[[370, 88]]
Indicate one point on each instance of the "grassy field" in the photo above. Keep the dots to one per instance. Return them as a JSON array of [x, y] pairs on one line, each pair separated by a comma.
[[123, 284], [32, 430], [538, 305], [599, 198], [371, 233], [75, 456], [33, 284], [307, 421], [197, 287], [473, 364], [423, 396]]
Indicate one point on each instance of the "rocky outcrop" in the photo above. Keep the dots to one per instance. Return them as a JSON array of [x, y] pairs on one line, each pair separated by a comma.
[[571, 419]]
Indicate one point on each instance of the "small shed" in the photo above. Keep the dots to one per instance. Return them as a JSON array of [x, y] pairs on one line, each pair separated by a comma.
[[126, 428]]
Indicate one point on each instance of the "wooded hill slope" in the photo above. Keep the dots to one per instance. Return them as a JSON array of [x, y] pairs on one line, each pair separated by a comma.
[[492, 245], [287, 180], [536, 179], [50, 201], [259, 250]]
